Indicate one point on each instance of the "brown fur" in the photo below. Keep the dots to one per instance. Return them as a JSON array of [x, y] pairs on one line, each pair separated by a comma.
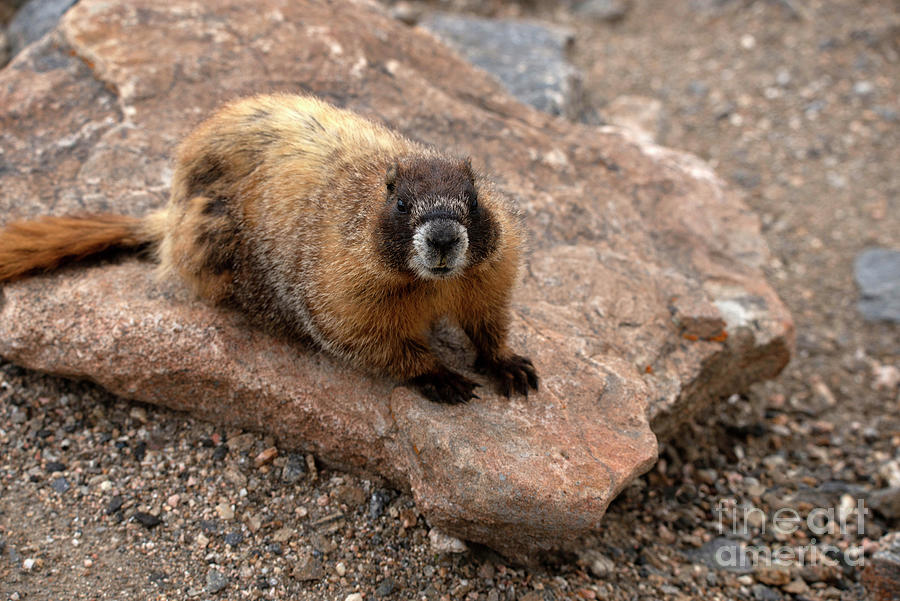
[[288, 208], [47, 242]]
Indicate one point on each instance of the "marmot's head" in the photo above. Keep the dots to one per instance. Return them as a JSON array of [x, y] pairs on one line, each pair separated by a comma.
[[434, 223]]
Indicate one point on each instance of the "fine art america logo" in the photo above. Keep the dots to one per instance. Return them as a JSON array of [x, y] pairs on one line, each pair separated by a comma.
[[824, 536]]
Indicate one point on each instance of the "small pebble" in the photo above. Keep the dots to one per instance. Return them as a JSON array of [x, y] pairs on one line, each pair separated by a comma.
[[796, 587], [603, 10], [147, 520], [294, 468], [266, 457], [707, 476], [55, 466], [210, 526], [138, 413], [349, 495], [139, 451], [443, 543], [385, 589], [773, 576], [753, 487], [215, 581], [485, 570], [408, 13], [60, 485], [377, 503], [761, 592], [225, 511], [274, 548], [307, 568], [220, 452], [233, 539], [783, 77], [115, 504], [863, 88], [254, 523]]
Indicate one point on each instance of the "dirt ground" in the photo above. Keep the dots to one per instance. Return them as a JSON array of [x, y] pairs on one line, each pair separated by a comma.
[[796, 104]]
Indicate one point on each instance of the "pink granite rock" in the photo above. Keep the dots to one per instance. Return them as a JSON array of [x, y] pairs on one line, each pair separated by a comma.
[[642, 300], [881, 574]]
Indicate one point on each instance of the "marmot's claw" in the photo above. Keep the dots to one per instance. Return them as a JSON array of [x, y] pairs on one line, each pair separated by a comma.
[[513, 374], [445, 386]]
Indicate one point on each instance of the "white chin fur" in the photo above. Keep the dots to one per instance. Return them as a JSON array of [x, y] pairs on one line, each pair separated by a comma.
[[426, 259]]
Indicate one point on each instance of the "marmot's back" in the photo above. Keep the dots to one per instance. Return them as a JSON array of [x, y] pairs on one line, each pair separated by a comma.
[[279, 139]]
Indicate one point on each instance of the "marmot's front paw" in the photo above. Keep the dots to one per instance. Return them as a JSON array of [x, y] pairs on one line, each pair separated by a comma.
[[513, 373], [445, 386]]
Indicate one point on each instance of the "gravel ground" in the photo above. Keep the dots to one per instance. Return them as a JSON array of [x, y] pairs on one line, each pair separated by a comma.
[[796, 104]]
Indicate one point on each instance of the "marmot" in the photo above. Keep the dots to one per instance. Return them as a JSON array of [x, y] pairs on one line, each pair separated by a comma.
[[321, 225]]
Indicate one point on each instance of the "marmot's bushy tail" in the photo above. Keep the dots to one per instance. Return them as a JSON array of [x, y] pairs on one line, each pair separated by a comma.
[[47, 242]]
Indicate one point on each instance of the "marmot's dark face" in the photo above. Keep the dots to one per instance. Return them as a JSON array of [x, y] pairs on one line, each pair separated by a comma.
[[433, 224]]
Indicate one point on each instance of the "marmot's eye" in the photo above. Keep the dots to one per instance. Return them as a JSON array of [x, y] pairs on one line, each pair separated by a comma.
[[473, 201], [402, 206]]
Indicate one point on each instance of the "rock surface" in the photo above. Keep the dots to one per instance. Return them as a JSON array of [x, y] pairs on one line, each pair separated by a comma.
[[529, 59], [886, 501], [33, 20], [642, 115], [641, 303], [4, 48], [877, 272], [603, 10], [881, 575]]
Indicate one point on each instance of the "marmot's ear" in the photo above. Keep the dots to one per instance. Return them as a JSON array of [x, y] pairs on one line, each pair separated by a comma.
[[390, 178]]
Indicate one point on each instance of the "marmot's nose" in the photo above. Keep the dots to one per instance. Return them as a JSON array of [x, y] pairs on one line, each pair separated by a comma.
[[443, 239]]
